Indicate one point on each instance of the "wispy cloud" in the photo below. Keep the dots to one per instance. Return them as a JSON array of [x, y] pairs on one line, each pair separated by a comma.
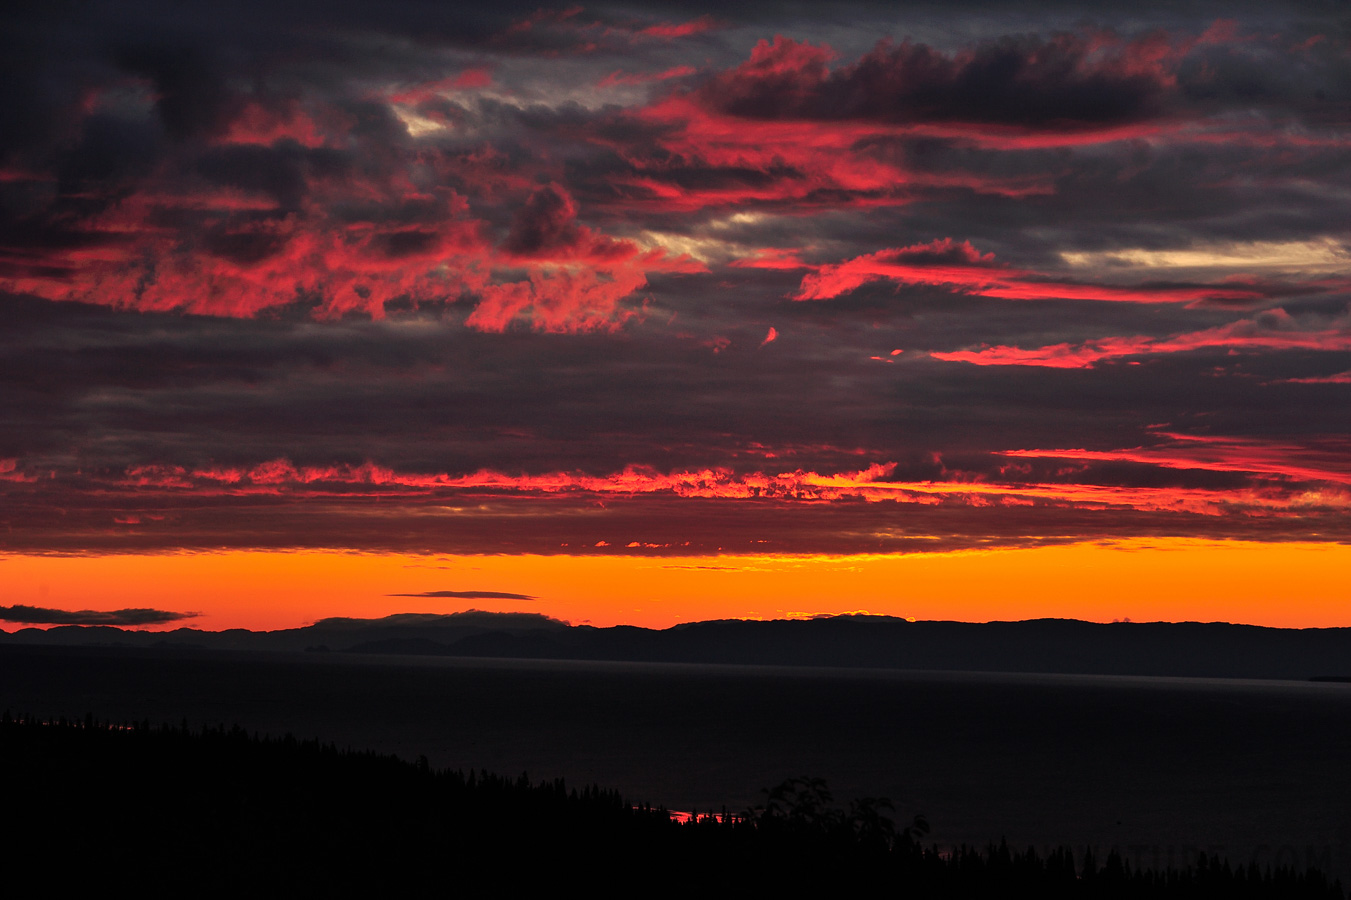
[[468, 595], [36, 615]]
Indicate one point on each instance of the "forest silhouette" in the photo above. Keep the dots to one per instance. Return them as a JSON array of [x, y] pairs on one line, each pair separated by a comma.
[[214, 810]]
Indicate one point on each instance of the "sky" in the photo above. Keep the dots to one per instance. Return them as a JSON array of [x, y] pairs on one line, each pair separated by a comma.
[[650, 313]]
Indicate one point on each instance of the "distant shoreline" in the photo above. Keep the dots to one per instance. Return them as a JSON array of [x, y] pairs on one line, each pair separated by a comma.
[[1052, 646]]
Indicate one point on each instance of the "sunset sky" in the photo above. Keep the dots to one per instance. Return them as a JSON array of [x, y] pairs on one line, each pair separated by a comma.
[[651, 313]]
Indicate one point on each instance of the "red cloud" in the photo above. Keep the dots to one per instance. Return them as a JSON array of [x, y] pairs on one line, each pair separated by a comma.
[[711, 159], [257, 123], [10, 471], [960, 267], [780, 75], [238, 254], [873, 484], [580, 277], [672, 30], [568, 29], [1326, 461], [468, 79], [545, 227], [770, 258], [1290, 488], [1273, 330], [618, 78], [296, 202], [784, 129], [1339, 378], [562, 300]]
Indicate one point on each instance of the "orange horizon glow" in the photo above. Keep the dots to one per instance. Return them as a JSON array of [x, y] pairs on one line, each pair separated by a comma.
[[1280, 585]]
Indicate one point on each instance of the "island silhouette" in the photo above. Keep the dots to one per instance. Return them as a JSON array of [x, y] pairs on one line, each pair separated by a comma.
[[1189, 649]]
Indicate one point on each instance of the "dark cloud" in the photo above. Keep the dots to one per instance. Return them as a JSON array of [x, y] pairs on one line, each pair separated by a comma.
[[547, 221], [190, 93], [36, 615], [665, 525], [469, 595], [1064, 81]]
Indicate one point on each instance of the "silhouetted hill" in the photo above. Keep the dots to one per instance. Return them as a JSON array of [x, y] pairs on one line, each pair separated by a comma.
[[335, 633], [1041, 645]]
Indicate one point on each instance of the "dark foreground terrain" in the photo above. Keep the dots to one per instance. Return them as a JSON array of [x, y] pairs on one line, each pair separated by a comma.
[[1162, 769], [219, 811]]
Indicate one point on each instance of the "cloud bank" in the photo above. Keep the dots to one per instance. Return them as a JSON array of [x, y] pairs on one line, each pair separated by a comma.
[[683, 280], [36, 615], [469, 595]]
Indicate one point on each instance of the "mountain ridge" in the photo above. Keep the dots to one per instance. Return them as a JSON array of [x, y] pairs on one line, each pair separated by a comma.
[[1068, 646]]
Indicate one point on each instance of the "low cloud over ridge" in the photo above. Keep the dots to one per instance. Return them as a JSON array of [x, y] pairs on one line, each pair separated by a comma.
[[37, 615]]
